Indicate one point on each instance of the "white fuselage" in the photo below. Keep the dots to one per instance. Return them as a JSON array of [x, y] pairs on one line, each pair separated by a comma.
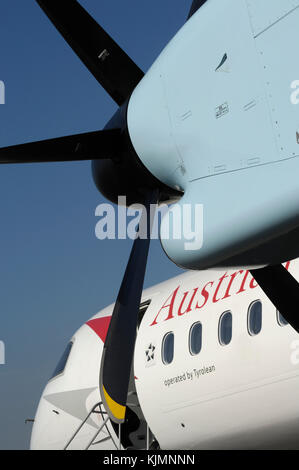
[[243, 395]]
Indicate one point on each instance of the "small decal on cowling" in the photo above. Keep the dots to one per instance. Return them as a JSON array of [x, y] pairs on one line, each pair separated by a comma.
[[224, 65], [222, 110]]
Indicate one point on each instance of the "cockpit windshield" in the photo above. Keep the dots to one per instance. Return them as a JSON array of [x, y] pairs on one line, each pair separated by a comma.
[[62, 363]]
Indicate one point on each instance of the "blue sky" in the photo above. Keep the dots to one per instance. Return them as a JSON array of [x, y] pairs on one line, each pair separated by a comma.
[[54, 273]]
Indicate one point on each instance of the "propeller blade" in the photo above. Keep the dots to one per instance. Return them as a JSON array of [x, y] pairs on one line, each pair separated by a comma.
[[196, 4], [120, 342], [282, 289], [108, 63], [89, 146]]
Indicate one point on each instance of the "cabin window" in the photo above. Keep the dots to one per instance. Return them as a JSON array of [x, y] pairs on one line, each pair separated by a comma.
[[195, 338], [225, 328], [254, 318], [168, 348], [281, 320], [62, 363]]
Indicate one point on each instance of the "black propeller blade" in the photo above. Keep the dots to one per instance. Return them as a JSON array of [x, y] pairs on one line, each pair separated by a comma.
[[282, 289], [118, 74], [89, 146], [196, 4], [109, 64], [119, 345]]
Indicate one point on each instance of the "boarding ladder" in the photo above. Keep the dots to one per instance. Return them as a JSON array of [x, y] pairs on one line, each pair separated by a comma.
[[99, 409]]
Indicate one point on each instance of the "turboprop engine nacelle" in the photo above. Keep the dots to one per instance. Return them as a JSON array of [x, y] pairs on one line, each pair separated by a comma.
[[213, 117]]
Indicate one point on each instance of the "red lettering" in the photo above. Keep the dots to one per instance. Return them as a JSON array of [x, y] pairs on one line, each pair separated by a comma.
[[189, 308], [169, 306], [242, 288], [232, 278], [218, 287], [205, 294], [253, 284]]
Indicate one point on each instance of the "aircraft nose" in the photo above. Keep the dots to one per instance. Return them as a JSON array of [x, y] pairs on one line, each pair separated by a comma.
[[70, 394], [48, 428], [60, 415]]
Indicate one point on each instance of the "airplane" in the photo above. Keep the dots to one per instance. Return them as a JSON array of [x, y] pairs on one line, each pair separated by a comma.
[[215, 367], [214, 123]]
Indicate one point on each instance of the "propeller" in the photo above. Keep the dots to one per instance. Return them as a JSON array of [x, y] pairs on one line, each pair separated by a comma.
[[119, 75], [120, 341], [282, 289], [88, 146], [112, 68], [117, 170], [108, 63], [116, 165], [196, 4]]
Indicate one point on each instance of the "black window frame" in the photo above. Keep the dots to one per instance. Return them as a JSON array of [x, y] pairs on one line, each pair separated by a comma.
[[219, 327], [163, 348], [252, 333], [281, 324], [190, 334]]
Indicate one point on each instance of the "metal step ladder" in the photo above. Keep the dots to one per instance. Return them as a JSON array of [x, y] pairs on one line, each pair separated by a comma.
[[99, 409], [105, 418]]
